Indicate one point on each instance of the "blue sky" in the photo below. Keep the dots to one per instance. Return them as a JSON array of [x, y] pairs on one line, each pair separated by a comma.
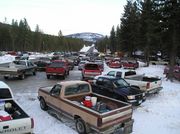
[[69, 16]]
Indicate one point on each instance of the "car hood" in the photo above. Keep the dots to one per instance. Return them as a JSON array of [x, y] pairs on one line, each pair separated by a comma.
[[128, 90]]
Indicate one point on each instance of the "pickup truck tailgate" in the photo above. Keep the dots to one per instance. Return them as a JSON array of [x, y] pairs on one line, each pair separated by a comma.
[[116, 118], [55, 70], [17, 126]]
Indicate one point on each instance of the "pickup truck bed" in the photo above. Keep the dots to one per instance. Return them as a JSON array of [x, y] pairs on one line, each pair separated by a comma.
[[13, 119], [19, 117]]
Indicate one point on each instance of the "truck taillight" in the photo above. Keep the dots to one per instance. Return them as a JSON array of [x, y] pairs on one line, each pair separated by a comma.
[[99, 122], [148, 85], [32, 123]]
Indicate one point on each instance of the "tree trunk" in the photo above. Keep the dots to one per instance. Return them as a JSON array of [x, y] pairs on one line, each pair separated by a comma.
[[173, 54]]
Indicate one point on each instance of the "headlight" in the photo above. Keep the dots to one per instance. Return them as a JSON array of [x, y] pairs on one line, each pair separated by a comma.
[[131, 97]]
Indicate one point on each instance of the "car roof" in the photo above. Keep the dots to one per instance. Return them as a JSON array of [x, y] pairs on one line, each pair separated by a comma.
[[68, 83], [109, 77]]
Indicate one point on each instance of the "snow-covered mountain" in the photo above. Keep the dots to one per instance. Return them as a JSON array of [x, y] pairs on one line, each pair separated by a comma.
[[87, 36]]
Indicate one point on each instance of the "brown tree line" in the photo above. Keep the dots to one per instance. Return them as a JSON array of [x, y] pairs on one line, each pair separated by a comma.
[[19, 37]]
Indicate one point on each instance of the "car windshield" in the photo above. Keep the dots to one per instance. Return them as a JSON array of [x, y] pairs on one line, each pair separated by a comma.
[[120, 83]]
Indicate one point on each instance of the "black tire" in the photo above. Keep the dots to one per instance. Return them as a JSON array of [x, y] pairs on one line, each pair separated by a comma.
[[6, 77], [22, 76], [34, 72], [48, 76], [81, 126], [64, 76], [43, 104], [67, 72]]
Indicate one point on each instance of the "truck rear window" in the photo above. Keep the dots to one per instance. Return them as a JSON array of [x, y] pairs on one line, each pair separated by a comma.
[[77, 89], [5, 93], [91, 66], [57, 64], [130, 73]]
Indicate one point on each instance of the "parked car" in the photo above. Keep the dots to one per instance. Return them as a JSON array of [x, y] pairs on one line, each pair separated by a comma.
[[90, 111], [42, 62], [57, 68], [129, 64], [81, 65], [100, 63], [176, 71], [13, 119], [90, 70], [18, 68], [118, 88], [114, 64]]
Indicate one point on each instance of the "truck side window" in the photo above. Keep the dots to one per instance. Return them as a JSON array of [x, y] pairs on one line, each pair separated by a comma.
[[84, 88], [30, 64], [107, 83], [118, 74], [56, 90], [130, 73], [111, 73]]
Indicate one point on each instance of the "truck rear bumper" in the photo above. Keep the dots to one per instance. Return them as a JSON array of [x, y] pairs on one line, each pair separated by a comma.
[[123, 128], [155, 90], [55, 74]]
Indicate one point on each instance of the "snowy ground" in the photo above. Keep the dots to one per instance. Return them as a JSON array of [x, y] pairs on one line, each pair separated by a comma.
[[159, 114]]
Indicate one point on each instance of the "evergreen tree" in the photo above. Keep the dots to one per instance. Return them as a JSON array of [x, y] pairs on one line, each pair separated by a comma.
[[129, 28], [112, 41]]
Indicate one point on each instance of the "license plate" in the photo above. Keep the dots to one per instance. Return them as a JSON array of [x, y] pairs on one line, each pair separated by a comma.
[[140, 101]]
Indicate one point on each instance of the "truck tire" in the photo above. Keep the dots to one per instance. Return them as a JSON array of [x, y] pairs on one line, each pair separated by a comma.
[[81, 126], [34, 72], [43, 104], [64, 76], [22, 76], [6, 77], [48, 76]]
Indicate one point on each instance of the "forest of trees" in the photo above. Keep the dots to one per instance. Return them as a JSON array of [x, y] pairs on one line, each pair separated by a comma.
[[149, 26], [19, 37]]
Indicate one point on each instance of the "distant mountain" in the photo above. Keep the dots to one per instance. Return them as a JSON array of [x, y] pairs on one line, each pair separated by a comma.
[[87, 36]]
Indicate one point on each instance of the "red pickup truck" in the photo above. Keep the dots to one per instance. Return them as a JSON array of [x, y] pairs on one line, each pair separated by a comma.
[[57, 68], [90, 70]]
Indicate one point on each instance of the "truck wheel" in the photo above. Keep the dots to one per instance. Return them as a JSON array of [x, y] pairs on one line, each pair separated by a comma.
[[64, 76], [6, 77], [34, 73], [48, 76], [80, 126], [21, 77], [43, 104]]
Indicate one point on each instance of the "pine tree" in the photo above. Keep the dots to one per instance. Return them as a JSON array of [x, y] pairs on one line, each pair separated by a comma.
[[112, 41]]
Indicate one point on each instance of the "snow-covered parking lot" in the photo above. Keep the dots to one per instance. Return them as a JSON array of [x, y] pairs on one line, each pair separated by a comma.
[[159, 114]]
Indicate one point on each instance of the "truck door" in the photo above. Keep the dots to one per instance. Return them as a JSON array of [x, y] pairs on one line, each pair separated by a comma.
[[54, 99], [29, 68]]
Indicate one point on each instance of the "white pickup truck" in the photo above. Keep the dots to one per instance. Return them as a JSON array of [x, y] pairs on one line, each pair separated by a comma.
[[13, 119], [148, 84]]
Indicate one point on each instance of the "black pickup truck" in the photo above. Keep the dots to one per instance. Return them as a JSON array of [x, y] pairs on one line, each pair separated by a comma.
[[118, 88]]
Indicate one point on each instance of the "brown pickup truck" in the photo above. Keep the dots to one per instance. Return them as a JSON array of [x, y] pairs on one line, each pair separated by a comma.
[[74, 99]]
